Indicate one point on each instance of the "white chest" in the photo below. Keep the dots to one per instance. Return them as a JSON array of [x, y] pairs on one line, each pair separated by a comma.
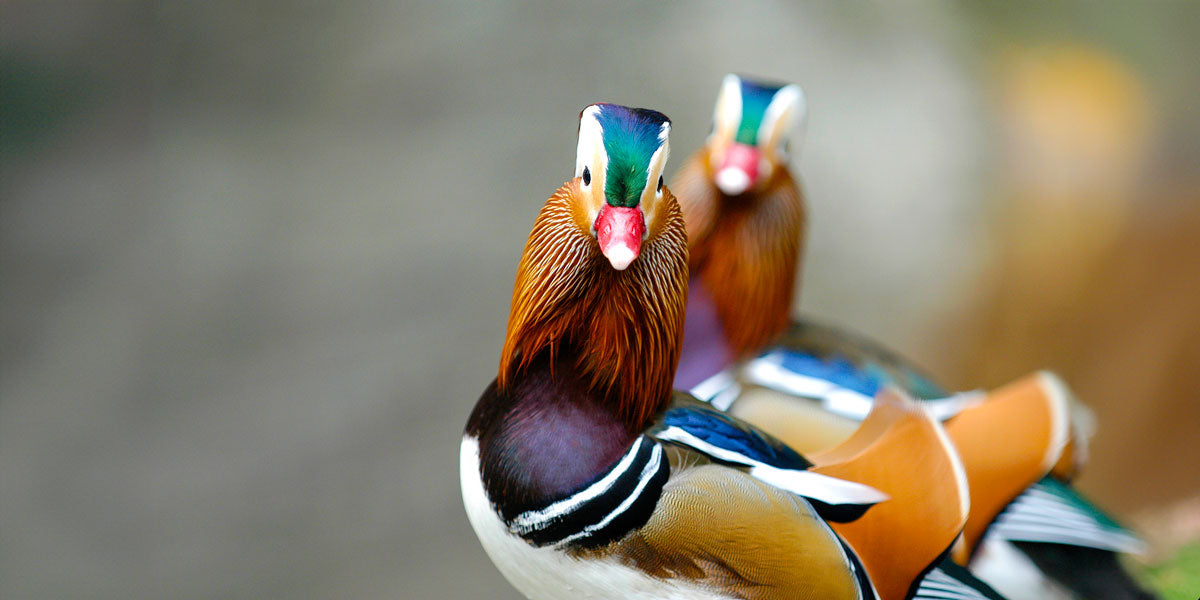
[[549, 574]]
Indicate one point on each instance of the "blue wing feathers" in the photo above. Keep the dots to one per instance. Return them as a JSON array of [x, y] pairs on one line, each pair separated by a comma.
[[836, 370], [720, 430]]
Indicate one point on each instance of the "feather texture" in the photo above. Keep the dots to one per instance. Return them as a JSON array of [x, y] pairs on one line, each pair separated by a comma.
[[745, 250], [724, 529], [901, 450], [568, 493], [625, 326]]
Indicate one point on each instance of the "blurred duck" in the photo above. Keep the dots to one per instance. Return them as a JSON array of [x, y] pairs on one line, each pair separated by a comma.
[[1029, 533], [585, 476]]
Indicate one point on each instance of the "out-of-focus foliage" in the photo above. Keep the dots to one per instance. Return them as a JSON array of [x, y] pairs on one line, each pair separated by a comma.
[[1177, 578]]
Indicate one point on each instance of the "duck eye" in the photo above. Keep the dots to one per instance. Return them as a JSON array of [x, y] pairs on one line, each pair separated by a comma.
[[660, 183], [587, 176]]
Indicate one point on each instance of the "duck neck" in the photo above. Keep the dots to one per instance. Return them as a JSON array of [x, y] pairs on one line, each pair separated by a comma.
[[546, 435], [588, 359], [745, 269], [619, 331]]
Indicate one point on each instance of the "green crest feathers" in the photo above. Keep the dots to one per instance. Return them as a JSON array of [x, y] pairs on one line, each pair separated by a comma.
[[631, 137], [756, 97]]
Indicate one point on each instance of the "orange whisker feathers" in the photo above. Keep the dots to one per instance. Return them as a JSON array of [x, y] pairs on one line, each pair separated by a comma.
[[745, 250], [622, 329]]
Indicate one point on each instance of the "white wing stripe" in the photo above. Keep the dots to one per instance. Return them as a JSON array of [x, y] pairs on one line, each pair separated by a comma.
[[719, 390], [1040, 532], [1040, 516], [829, 490], [1051, 515], [768, 371], [710, 387]]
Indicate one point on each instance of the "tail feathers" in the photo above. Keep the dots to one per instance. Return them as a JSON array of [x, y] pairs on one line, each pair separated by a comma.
[[1088, 572], [948, 581], [1054, 513]]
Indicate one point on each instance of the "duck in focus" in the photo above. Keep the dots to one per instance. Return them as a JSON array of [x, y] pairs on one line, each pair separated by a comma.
[[585, 475]]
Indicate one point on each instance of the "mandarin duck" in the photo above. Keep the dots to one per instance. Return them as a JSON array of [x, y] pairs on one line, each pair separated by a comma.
[[810, 384], [584, 475]]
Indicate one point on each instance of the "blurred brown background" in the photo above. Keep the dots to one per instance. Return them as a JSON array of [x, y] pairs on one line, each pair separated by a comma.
[[255, 258]]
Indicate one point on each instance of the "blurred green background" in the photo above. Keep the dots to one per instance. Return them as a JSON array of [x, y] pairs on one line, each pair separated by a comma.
[[256, 258]]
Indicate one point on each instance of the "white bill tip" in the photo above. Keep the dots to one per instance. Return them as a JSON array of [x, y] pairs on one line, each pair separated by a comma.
[[732, 180]]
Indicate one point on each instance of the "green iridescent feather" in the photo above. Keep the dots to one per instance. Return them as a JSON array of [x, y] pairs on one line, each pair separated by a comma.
[[756, 97], [631, 137]]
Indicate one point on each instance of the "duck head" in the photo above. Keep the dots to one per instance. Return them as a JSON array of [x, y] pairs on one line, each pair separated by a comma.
[[752, 124], [618, 167], [603, 279]]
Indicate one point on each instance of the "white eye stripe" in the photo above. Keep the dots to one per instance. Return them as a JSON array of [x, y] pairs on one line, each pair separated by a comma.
[[728, 113], [788, 108], [592, 155], [590, 152], [658, 161]]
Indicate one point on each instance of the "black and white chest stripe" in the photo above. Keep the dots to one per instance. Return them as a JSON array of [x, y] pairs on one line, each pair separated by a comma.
[[621, 500], [624, 497]]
